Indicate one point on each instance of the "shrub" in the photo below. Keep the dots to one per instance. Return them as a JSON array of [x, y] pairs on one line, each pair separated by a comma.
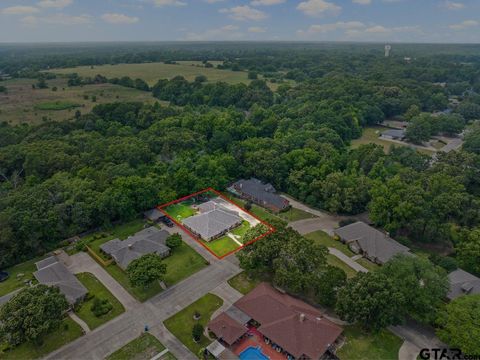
[[197, 332], [174, 241], [346, 222], [101, 307]]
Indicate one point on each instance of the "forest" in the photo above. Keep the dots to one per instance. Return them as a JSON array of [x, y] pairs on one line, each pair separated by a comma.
[[59, 179]]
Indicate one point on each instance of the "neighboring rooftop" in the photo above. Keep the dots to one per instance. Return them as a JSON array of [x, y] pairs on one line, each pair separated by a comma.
[[372, 242], [51, 272], [300, 329], [462, 283], [153, 214], [394, 133], [147, 241], [211, 224], [263, 194]]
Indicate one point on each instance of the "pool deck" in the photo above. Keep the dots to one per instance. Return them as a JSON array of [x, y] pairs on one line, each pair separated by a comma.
[[256, 340]]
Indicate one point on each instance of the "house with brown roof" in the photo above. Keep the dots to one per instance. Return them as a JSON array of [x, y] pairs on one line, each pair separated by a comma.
[[268, 320], [373, 244]]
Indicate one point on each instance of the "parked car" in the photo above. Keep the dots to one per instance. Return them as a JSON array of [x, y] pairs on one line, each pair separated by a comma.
[[4, 276], [167, 221]]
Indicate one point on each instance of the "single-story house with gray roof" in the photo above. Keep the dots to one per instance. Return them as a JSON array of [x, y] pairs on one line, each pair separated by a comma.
[[154, 215], [259, 193], [370, 242], [147, 241], [212, 224], [394, 134], [462, 283], [52, 272]]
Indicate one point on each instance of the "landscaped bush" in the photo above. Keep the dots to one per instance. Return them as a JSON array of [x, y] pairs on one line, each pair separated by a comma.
[[101, 307], [197, 332]]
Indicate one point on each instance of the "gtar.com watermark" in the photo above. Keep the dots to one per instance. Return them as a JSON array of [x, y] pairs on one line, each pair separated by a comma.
[[446, 354]]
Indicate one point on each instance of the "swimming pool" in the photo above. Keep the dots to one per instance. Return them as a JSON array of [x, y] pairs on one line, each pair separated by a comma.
[[252, 353]]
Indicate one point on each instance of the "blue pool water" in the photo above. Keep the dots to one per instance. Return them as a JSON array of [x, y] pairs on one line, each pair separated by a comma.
[[252, 353]]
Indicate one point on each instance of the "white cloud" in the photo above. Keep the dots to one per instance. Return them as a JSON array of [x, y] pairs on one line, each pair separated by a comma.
[[160, 3], [115, 18], [464, 25], [362, 2], [228, 32], [341, 25], [452, 5], [243, 13], [318, 8], [266, 2], [19, 10], [256, 29], [58, 4], [57, 19]]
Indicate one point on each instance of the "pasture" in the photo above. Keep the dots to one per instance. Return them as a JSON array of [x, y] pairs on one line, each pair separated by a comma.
[[23, 104], [152, 72]]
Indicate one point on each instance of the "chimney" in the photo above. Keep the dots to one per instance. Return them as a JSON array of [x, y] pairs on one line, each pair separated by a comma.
[[130, 246], [302, 317]]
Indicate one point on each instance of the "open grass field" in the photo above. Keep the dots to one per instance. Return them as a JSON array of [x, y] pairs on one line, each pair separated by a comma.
[[360, 345], [182, 263], [18, 275], [68, 331], [181, 324], [243, 283], [96, 288], [324, 239], [22, 104], [152, 72], [144, 347]]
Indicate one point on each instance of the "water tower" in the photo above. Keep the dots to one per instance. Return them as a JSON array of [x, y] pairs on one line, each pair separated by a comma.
[[387, 50]]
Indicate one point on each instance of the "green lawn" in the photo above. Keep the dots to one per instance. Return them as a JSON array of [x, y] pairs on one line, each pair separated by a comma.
[[96, 288], [180, 211], [144, 347], [294, 214], [181, 324], [222, 245], [182, 263], [370, 266], [68, 331], [15, 281], [334, 261], [242, 283], [323, 238], [241, 230], [360, 345]]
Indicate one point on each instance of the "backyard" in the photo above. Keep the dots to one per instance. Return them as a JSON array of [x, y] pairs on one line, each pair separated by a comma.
[[360, 345], [19, 274], [181, 324], [144, 347], [96, 290], [68, 331], [180, 211], [221, 246]]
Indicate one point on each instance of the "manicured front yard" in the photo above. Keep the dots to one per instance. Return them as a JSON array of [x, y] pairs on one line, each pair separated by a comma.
[[324, 239], [96, 288], [144, 347], [334, 261], [222, 245], [182, 263], [16, 279], [68, 331], [180, 211], [242, 283], [294, 214], [360, 345], [181, 324], [370, 266]]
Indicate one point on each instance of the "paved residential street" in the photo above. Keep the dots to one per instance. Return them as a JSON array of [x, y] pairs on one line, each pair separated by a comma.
[[113, 335]]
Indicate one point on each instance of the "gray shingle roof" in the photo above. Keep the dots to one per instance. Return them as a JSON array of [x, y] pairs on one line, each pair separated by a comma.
[[462, 283], [264, 193], [371, 241], [57, 274], [395, 133], [147, 241], [153, 214], [212, 223]]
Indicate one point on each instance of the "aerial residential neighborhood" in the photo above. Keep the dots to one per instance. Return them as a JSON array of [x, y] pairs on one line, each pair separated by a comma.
[[239, 180]]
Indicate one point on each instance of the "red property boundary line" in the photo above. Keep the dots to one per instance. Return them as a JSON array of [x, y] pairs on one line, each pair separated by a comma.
[[161, 208]]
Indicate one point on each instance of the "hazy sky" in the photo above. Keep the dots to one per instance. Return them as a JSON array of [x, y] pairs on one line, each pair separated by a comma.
[[304, 20]]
